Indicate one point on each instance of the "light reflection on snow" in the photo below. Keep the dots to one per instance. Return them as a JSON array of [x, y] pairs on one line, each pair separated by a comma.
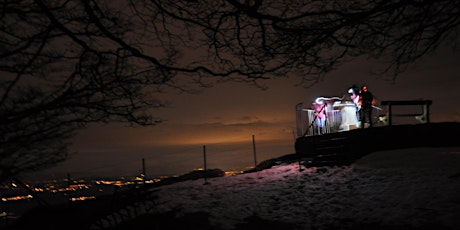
[[380, 188]]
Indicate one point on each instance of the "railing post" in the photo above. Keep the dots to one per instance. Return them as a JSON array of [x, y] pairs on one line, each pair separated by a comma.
[[254, 151], [427, 112], [205, 167], [389, 114]]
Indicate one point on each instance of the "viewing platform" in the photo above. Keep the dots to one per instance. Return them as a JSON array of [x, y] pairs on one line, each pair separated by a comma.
[[342, 116], [396, 124], [343, 148]]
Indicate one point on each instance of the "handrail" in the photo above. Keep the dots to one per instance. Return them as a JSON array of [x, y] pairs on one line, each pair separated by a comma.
[[407, 102], [424, 116]]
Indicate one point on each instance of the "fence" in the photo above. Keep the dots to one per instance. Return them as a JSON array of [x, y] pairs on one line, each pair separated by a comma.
[[392, 112], [406, 111]]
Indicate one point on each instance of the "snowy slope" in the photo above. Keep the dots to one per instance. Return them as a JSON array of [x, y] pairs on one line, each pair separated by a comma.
[[414, 188]]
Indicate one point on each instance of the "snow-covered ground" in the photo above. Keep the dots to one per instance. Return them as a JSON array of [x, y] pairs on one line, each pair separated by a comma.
[[414, 188]]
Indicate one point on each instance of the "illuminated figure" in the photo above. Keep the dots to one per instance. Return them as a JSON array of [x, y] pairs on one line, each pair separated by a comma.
[[348, 112], [320, 116], [324, 116], [355, 97]]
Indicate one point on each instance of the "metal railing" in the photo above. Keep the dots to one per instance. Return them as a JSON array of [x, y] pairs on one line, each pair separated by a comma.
[[415, 110], [391, 113]]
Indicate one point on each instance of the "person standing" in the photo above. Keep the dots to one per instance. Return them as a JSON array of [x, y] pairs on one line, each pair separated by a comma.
[[320, 117], [355, 97], [367, 100]]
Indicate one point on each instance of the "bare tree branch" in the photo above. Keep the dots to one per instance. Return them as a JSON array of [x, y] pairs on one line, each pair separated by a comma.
[[65, 64]]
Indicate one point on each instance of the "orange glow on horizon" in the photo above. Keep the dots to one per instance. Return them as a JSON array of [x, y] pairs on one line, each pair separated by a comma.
[[226, 139]]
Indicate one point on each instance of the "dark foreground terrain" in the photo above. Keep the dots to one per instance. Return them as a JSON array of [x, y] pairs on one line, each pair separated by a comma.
[[336, 147]]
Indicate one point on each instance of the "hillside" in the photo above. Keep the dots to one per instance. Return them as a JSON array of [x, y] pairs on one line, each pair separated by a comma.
[[396, 186]]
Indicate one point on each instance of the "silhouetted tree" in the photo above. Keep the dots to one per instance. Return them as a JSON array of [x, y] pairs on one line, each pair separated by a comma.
[[65, 64]]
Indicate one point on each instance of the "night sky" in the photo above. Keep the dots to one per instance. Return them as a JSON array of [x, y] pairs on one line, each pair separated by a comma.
[[225, 117]]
